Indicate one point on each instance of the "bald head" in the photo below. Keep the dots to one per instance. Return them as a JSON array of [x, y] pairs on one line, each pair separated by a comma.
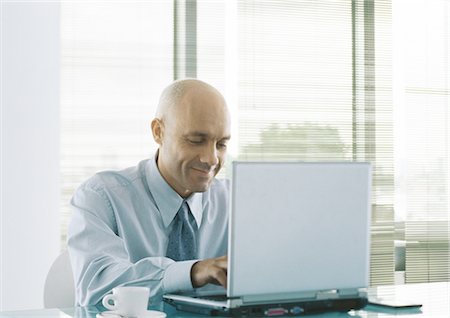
[[192, 129], [177, 92]]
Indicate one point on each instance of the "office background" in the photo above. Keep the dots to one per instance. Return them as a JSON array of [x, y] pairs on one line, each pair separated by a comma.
[[305, 80]]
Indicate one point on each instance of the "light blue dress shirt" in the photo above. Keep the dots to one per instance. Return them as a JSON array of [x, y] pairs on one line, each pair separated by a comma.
[[120, 227]]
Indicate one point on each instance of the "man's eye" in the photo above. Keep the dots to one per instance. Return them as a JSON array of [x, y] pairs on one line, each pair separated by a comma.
[[195, 142], [222, 145]]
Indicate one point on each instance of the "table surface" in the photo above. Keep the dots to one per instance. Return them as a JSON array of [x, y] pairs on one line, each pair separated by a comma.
[[435, 298]]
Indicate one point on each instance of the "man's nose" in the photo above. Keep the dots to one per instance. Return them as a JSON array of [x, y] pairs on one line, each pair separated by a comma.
[[210, 155]]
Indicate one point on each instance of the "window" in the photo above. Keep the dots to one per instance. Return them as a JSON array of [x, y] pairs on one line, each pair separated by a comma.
[[307, 89], [304, 79], [116, 59], [422, 103]]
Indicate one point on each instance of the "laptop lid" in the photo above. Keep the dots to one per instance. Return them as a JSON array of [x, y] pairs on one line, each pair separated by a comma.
[[298, 227]]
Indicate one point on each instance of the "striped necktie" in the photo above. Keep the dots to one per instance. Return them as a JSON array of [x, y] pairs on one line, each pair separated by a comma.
[[183, 238]]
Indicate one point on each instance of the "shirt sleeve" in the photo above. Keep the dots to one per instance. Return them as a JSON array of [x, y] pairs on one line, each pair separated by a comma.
[[99, 257]]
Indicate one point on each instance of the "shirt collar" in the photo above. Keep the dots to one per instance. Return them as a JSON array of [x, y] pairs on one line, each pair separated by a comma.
[[167, 199]]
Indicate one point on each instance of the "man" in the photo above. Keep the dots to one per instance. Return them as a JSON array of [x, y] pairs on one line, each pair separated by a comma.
[[162, 224]]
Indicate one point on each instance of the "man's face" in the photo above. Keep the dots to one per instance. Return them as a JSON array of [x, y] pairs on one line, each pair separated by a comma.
[[194, 142]]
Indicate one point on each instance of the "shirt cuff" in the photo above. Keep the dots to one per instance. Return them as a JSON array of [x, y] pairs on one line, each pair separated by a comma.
[[178, 276]]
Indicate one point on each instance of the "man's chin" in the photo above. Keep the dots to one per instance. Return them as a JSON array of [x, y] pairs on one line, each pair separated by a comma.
[[201, 187]]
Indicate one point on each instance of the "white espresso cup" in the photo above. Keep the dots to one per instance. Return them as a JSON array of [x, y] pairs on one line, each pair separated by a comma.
[[127, 301]]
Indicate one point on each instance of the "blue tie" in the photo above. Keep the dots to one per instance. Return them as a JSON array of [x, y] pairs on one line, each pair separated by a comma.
[[183, 238]]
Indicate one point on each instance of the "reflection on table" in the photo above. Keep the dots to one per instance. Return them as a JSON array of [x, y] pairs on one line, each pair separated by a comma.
[[435, 298]]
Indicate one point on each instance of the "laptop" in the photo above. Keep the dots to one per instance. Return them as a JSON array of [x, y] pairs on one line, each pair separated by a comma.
[[299, 241]]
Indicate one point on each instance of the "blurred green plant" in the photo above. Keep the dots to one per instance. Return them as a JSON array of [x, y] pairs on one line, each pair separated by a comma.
[[306, 141]]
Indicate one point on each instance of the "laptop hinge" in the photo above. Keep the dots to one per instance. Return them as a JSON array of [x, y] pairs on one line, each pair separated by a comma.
[[235, 302], [349, 292], [327, 294]]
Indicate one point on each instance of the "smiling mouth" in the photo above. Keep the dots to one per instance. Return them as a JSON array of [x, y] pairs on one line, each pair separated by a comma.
[[204, 172]]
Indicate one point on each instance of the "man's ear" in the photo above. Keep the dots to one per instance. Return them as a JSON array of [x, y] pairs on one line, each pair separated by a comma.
[[157, 130]]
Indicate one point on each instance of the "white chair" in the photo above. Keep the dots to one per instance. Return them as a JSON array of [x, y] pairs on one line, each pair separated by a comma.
[[59, 288]]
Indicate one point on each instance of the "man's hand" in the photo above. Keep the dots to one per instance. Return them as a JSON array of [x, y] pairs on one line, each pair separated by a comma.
[[213, 270]]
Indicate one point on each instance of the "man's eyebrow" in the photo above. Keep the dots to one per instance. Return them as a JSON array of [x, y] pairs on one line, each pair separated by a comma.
[[204, 135], [196, 134]]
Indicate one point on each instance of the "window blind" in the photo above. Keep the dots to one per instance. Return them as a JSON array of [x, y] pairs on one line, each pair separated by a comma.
[[423, 101], [308, 80], [305, 80], [116, 59], [314, 84]]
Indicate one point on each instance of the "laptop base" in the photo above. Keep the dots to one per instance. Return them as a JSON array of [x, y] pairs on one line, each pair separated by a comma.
[[281, 309]]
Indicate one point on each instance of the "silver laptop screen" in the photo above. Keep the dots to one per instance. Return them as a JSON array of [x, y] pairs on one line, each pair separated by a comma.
[[298, 227]]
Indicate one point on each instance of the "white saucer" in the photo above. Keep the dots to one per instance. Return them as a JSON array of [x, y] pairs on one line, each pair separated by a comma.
[[147, 314]]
